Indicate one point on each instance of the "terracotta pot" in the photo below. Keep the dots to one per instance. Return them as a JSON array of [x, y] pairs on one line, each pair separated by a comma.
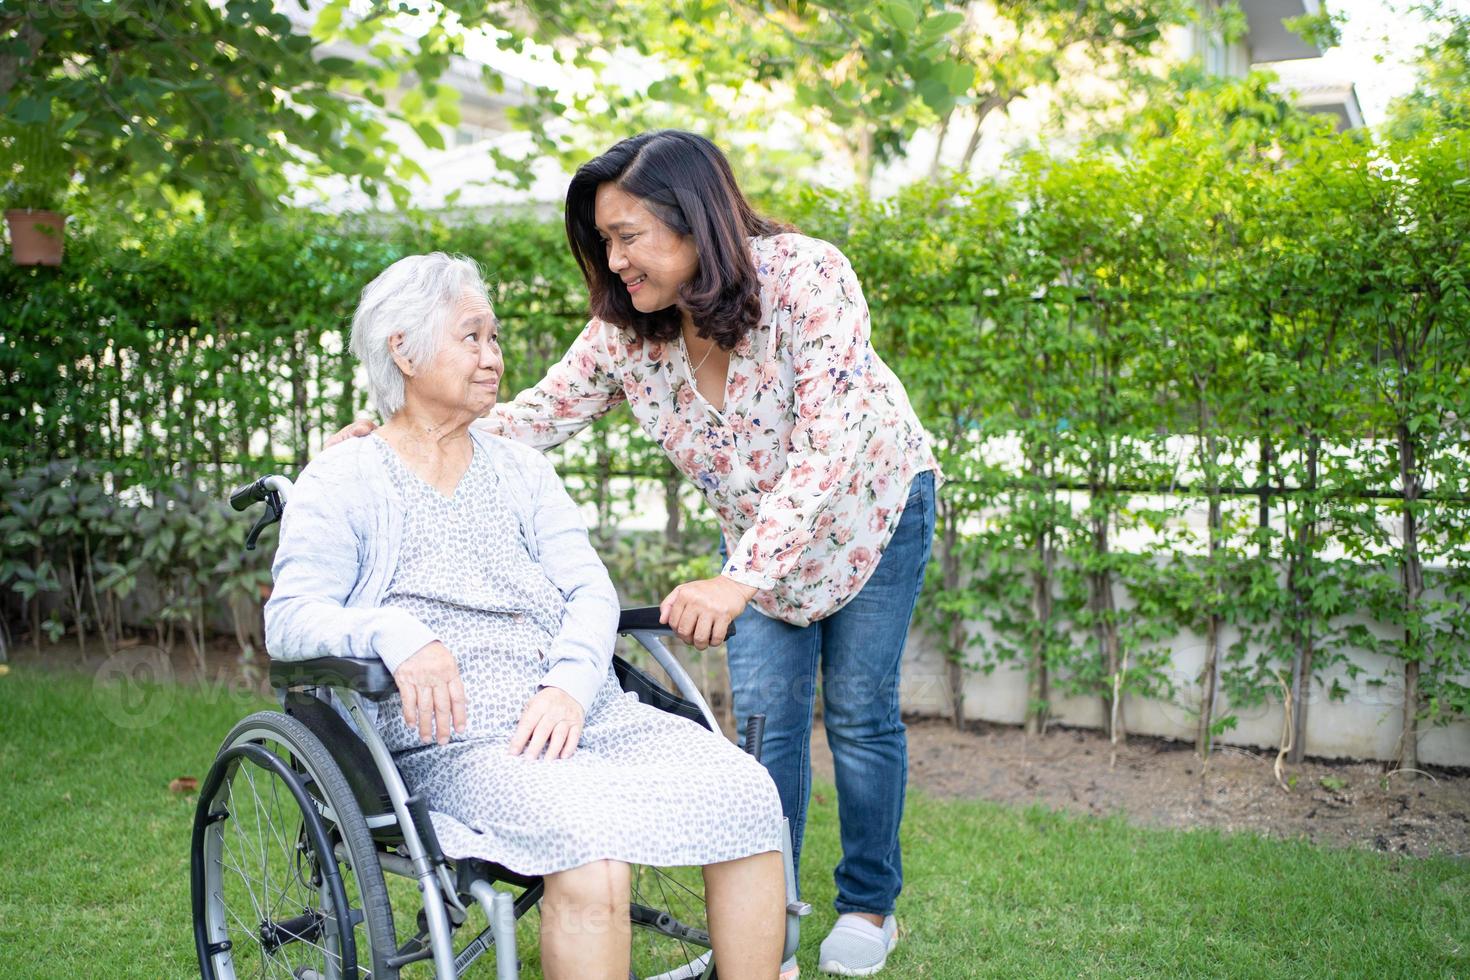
[[35, 236]]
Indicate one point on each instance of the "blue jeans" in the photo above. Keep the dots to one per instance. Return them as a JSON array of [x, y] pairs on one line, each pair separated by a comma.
[[773, 670]]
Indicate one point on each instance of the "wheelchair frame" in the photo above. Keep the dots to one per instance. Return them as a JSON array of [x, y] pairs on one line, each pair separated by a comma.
[[398, 820]]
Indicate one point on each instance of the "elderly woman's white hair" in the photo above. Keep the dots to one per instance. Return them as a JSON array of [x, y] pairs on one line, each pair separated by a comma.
[[415, 296]]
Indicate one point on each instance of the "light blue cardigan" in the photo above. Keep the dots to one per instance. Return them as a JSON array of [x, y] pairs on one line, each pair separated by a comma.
[[340, 541]]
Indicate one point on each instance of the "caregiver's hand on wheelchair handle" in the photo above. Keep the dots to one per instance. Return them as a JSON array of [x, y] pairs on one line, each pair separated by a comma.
[[700, 613], [433, 695], [362, 427], [552, 721]]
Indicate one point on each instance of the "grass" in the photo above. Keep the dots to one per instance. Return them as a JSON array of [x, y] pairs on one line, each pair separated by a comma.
[[95, 869]]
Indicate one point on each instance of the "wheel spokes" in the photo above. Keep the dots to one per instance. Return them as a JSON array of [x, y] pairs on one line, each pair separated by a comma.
[[280, 922]]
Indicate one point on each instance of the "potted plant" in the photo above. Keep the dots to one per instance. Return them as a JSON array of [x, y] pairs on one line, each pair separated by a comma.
[[38, 177]]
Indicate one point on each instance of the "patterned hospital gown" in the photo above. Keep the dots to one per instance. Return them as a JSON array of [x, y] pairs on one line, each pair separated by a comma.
[[643, 786]]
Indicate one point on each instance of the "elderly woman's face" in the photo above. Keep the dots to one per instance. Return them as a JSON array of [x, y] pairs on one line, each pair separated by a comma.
[[465, 373], [652, 259]]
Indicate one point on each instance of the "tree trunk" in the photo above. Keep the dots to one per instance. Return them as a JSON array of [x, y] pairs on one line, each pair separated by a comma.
[[1209, 684], [1039, 469], [36, 605], [78, 614], [949, 563], [1104, 610], [1412, 576], [1106, 631], [983, 109], [1302, 669], [299, 400], [674, 511], [939, 145], [974, 142], [1038, 693], [103, 627], [604, 493], [1210, 674], [1263, 515], [188, 411]]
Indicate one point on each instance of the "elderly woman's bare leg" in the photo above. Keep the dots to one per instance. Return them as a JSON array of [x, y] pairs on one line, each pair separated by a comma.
[[584, 923], [746, 900]]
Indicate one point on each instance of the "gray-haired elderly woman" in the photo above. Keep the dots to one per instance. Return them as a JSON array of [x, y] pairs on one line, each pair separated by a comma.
[[458, 559]]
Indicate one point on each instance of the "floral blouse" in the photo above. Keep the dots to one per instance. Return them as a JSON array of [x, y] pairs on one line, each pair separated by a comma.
[[809, 464]]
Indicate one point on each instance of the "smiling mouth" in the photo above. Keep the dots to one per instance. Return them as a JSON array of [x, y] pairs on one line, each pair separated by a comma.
[[633, 284]]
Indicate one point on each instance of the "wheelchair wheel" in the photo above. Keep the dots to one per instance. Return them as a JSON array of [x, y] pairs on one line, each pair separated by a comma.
[[670, 928], [284, 876]]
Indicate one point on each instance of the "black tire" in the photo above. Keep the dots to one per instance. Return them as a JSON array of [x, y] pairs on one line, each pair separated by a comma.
[[281, 858]]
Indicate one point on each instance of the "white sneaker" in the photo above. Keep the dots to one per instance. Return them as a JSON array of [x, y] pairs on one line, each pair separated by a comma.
[[857, 948]]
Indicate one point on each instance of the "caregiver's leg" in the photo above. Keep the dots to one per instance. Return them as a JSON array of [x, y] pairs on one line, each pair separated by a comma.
[[862, 647], [746, 902], [773, 671], [584, 923]]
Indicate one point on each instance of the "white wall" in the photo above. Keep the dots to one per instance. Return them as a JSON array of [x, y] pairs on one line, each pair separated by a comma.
[[1365, 724]]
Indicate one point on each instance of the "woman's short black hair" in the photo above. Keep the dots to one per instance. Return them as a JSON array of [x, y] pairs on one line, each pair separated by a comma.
[[686, 182]]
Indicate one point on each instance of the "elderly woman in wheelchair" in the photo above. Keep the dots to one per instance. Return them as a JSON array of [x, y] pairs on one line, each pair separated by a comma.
[[456, 562]]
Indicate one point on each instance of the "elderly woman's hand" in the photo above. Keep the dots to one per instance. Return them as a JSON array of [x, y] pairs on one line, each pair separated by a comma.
[[553, 721], [700, 613], [361, 427], [433, 695]]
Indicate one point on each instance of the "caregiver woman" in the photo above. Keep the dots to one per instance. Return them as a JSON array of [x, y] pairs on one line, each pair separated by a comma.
[[743, 349]]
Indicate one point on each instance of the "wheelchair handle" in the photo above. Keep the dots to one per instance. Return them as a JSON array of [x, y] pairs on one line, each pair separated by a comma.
[[244, 497], [270, 489], [644, 619]]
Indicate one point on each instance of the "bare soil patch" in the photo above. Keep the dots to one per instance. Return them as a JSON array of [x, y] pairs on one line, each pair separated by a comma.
[[1160, 783]]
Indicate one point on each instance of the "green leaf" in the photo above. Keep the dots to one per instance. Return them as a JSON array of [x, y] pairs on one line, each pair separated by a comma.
[[938, 25], [430, 134], [32, 110], [901, 15]]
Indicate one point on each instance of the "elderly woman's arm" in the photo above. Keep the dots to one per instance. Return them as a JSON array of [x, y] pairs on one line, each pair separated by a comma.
[[318, 563], [582, 650]]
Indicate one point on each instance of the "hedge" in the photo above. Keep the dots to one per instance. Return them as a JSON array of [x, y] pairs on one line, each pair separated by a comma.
[[1099, 345]]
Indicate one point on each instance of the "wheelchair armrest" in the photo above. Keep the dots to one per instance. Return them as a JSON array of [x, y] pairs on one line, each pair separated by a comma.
[[644, 619], [374, 681], [370, 678]]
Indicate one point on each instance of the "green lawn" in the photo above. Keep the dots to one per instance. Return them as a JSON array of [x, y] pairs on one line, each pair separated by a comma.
[[94, 869]]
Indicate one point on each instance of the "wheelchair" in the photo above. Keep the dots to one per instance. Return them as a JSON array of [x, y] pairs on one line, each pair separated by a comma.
[[304, 820]]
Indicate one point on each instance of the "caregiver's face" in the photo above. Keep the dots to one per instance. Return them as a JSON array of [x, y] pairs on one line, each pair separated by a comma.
[[465, 372], [652, 259]]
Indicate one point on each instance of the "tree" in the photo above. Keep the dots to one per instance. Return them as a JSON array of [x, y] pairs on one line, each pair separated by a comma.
[[223, 104], [1441, 98], [862, 76]]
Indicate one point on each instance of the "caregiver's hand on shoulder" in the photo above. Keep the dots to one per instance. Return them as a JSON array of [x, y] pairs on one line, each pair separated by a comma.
[[700, 613], [552, 721], [433, 696], [361, 427]]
